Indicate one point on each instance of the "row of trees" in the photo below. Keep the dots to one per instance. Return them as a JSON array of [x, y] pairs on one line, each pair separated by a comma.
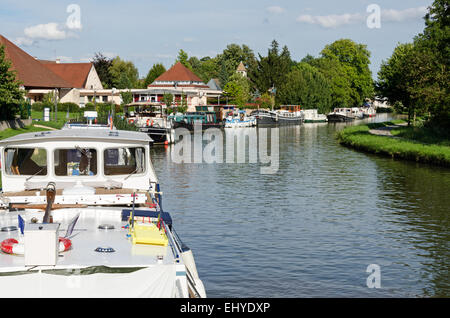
[[339, 77], [416, 76]]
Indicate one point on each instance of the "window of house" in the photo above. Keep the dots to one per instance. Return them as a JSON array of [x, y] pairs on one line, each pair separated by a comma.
[[124, 161], [26, 161], [75, 162]]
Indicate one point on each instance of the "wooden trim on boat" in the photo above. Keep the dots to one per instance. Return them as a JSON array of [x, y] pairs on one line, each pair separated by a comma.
[[43, 206], [98, 191]]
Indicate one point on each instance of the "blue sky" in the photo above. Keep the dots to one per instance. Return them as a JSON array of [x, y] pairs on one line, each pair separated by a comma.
[[153, 31]]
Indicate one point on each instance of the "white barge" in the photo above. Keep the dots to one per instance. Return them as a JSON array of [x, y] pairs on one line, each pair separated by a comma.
[[81, 216]]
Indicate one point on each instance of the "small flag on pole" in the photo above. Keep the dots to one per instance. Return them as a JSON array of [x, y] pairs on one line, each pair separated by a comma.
[[72, 225], [21, 223]]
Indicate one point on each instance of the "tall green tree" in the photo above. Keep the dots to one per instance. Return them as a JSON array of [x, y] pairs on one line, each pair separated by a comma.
[[228, 61], [11, 96], [355, 61], [156, 70], [339, 80], [183, 58], [308, 87], [394, 79], [417, 73], [237, 90], [433, 58], [102, 65], [271, 70], [124, 74], [207, 68]]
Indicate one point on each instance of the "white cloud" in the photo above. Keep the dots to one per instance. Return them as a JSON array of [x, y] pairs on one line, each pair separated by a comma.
[[391, 15], [188, 40], [275, 10], [387, 15], [331, 21], [49, 31]]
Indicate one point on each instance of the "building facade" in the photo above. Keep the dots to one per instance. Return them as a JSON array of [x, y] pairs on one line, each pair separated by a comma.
[[186, 88]]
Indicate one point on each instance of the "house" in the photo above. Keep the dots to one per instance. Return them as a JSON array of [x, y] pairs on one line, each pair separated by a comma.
[[78, 83], [181, 82]]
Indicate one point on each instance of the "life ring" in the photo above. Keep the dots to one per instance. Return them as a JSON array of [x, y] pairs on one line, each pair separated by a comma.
[[13, 246], [130, 121]]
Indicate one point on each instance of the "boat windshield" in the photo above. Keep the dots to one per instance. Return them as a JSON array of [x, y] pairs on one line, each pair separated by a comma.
[[75, 162], [26, 161], [124, 161]]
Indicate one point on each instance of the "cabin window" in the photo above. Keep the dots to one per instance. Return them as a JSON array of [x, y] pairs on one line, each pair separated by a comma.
[[124, 161], [26, 161], [75, 162]]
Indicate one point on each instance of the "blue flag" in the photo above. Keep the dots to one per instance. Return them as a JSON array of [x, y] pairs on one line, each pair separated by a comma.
[[72, 225], [21, 223]]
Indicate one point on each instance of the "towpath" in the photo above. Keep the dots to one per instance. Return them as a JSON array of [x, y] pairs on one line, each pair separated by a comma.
[[386, 130]]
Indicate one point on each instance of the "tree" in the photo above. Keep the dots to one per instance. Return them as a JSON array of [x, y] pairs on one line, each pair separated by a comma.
[[228, 61], [416, 75], [339, 80], [168, 99], [271, 71], [183, 58], [394, 78], [127, 97], [11, 96], [102, 65], [124, 74], [308, 87], [355, 60], [238, 89], [433, 59], [154, 73]]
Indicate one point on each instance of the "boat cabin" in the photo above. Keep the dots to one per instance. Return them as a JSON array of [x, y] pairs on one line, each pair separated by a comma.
[[101, 158]]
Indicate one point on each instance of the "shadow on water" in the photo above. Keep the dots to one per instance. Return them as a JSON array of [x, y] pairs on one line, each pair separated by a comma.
[[312, 228]]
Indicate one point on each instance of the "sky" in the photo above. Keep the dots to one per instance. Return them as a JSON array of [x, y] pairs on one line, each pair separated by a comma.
[[153, 31]]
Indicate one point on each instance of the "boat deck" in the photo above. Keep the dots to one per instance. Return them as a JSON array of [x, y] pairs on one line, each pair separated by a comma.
[[86, 238]]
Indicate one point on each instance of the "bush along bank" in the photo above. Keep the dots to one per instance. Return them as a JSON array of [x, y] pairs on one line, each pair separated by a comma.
[[399, 145]]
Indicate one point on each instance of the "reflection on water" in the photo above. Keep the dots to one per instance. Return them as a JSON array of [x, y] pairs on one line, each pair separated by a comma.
[[312, 228]]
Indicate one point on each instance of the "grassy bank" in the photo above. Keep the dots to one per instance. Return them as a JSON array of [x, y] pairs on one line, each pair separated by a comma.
[[406, 143]]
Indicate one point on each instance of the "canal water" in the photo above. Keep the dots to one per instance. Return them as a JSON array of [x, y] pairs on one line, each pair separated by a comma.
[[313, 228]]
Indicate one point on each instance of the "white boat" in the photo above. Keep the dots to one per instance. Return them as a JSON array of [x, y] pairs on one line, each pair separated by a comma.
[[151, 119], [345, 114], [313, 116], [287, 115], [368, 111], [81, 216], [239, 120]]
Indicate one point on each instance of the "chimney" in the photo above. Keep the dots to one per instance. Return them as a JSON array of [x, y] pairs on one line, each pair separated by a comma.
[[58, 61]]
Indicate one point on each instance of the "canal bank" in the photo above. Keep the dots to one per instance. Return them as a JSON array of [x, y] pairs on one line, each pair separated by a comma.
[[394, 140]]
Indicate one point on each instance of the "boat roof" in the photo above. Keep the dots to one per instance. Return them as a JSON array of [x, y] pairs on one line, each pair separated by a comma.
[[80, 134]]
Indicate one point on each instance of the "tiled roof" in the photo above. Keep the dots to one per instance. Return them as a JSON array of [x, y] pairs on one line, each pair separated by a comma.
[[30, 71], [74, 73], [178, 73], [241, 67]]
